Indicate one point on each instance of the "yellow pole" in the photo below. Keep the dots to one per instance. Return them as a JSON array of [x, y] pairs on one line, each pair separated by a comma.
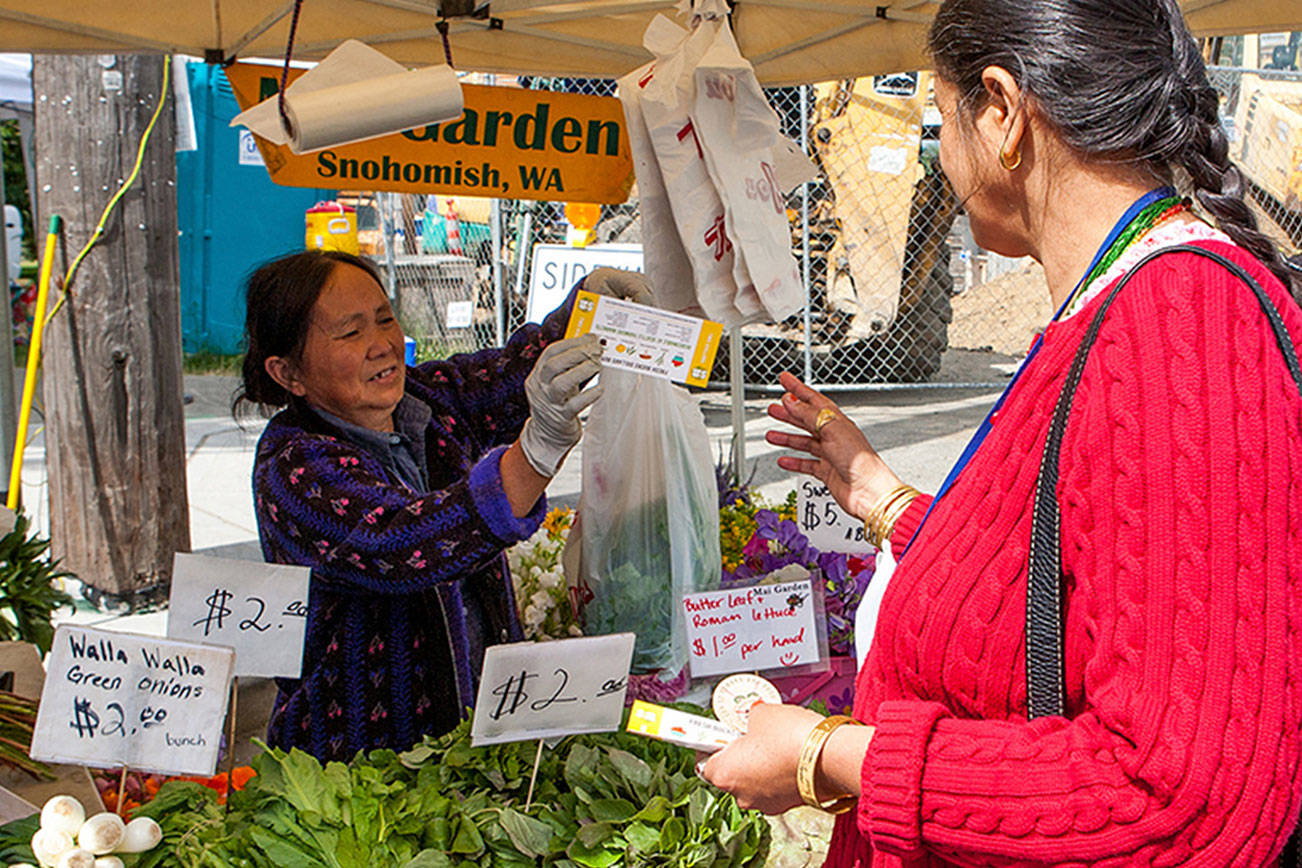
[[33, 360]]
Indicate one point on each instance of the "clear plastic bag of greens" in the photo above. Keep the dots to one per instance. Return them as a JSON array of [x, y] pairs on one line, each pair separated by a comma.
[[649, 514]]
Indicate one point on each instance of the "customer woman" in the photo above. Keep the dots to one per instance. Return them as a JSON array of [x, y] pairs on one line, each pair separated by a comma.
[[1180, 493], [401, 488]]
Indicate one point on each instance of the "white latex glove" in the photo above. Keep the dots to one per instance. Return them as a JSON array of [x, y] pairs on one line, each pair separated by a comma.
[[556, 398], [628, 285]]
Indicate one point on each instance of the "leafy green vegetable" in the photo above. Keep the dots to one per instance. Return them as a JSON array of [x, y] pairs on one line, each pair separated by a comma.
[[28, 596], [16, 840], [599, 800]]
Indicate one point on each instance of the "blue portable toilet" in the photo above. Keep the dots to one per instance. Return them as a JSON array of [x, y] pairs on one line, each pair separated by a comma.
[[231, 217]]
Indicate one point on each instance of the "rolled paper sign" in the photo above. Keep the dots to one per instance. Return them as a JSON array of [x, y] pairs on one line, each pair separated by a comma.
[[356, 93], [348, 113]]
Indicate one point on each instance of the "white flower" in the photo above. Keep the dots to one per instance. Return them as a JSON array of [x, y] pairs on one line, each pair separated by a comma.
[[534, 617], [542, 600], [789, 573], [551, 579]]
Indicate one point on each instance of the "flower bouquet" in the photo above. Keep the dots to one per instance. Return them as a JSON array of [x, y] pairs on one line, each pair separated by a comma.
[[539, 581]]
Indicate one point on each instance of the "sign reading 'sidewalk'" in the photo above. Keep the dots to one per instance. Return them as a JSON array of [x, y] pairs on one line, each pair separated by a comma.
[[510, 143]]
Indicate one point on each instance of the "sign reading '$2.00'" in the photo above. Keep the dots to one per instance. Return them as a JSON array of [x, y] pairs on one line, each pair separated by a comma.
[[545, 689], [260, 610], [113, 699]]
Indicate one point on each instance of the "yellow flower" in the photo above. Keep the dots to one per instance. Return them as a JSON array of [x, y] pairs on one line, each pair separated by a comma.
[[558, 521]]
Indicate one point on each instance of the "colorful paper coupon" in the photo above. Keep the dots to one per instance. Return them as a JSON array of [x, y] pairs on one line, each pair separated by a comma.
[[680, 728], [647, 340]]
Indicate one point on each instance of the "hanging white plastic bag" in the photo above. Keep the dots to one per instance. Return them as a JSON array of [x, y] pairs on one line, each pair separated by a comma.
[[665, 261], [666, 88], [747, 158], [650, 516]]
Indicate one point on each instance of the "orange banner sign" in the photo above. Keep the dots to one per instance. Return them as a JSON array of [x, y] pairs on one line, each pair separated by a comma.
[[510, 143]]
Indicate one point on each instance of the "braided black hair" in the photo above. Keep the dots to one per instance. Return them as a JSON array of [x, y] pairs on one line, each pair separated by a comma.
[[1121, 80]]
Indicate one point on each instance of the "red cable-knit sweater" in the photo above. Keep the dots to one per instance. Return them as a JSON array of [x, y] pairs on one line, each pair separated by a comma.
[[1181, 496]]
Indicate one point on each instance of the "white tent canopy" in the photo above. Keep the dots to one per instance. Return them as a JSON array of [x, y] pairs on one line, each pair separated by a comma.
[[788, 41], [15, 82]]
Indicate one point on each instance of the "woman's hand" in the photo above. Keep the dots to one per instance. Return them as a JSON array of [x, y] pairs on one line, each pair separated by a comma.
[[628, 285], [842, 458], [556, 398], [759, 768]]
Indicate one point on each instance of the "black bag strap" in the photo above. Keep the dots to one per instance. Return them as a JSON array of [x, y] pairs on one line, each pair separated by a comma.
[[1045, 677]]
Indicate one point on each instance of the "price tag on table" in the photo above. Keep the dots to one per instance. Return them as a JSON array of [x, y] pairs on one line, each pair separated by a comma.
[[260, 610], [829, 527], [113, 699], [752, 629], [531, 690]]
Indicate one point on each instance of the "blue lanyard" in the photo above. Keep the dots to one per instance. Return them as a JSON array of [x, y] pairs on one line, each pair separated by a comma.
[[984, 429]]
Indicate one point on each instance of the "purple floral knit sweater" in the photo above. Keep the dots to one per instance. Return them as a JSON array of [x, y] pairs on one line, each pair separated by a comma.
[[387, 656]]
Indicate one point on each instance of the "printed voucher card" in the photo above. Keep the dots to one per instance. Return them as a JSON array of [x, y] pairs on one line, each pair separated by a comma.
[[648, 340]]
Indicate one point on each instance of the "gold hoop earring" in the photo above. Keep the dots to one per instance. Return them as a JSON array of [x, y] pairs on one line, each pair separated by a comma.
[[1016, 160]]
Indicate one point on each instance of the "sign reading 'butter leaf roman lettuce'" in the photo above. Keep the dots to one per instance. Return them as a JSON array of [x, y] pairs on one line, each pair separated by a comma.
[[509, 143]]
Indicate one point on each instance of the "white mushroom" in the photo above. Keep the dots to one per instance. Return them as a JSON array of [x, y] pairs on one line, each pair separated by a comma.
[[63, 814], [142, 834], [102, 833], [109, 862], [48, 845]]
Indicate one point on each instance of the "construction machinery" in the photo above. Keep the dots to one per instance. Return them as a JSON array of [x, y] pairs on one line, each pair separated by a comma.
[[889, 213]]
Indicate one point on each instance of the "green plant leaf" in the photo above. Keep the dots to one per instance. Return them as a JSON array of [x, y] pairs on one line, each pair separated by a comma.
[[654, 810], [634, 770], [672, 832], [429, 859], [467, 838], [531, 837], [643, 838], [596, 834], [612, 810], [592, 857]]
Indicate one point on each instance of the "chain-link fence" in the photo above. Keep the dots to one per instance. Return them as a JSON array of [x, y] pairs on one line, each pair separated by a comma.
[[1262, 114], [898, 291]]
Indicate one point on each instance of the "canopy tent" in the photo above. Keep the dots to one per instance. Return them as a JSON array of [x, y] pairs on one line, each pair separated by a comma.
[[788, 41], [15, 82]]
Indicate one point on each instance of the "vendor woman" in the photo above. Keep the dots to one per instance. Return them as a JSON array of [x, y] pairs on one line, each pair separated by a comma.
[[400, 487]]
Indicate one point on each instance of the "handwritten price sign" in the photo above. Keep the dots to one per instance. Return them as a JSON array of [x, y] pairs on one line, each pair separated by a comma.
[[531, 690], [829, 527], [260, 610], [752, 629], [115, 699]]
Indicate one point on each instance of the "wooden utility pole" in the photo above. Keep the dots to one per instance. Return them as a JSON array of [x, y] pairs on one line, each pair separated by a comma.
[[114, 423]]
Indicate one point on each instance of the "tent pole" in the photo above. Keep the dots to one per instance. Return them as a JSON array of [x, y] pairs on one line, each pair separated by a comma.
[[738, 403], [8, 411], [804, 237]]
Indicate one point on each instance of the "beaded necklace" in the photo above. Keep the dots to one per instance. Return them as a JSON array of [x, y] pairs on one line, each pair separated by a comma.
[[1158, 212]]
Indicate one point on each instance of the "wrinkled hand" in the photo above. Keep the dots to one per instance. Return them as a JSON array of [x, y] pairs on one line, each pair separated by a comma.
[[760, 767], [843, 460], [628, 285], [556, 397]]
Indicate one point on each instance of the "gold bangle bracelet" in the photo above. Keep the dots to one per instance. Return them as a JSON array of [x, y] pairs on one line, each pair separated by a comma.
[[808, 763], [873, 521], [886, 511], [891, 516], [884, 522]]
